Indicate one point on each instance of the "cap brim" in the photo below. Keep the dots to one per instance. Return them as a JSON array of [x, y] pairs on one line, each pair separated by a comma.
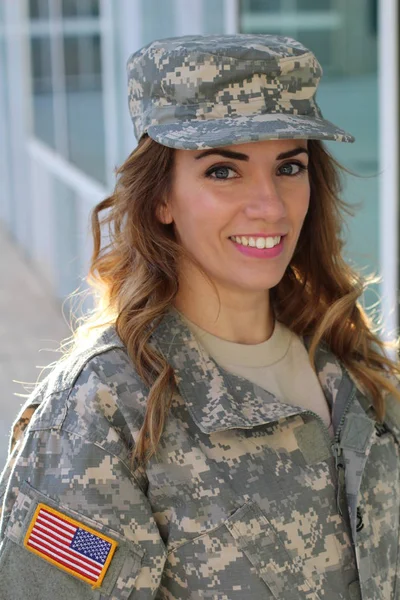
[[198, 135]]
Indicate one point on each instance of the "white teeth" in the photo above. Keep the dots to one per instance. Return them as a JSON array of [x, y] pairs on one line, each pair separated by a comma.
[[259, 242]]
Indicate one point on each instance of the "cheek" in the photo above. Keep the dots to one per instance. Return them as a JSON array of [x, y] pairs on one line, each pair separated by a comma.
[[198, 213]]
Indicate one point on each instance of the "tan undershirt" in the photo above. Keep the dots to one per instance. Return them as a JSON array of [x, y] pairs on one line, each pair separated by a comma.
[[279, 365]]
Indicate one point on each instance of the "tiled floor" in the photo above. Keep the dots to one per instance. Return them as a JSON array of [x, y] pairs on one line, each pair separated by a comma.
[[31, 328]]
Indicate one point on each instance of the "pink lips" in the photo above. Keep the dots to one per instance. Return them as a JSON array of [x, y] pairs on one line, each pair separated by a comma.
[[263, 252]]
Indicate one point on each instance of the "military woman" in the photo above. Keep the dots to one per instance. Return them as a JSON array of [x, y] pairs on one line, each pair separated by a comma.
[[227, 424]]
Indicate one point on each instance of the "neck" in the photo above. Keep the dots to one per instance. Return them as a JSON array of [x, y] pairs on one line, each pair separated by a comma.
[[240, 316]]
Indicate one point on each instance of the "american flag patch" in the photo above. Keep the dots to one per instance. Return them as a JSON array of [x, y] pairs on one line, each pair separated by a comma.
[[70, 545]]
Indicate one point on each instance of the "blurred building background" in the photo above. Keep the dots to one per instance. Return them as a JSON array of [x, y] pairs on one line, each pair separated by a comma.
[[64, 127]]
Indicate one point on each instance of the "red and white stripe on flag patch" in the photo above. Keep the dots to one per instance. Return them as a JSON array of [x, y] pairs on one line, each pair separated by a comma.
[[70, 545]]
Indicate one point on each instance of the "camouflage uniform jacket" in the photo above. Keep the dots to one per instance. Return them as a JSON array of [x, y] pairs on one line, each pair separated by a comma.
[[247, 498]]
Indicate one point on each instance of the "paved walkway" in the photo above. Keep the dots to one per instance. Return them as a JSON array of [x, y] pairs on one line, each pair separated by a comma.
[[31, 328]]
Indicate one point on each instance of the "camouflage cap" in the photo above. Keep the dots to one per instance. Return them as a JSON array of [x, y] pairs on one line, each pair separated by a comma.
[[197, 92]]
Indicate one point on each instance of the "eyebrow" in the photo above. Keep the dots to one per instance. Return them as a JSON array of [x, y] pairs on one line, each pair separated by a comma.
[[240, 156]]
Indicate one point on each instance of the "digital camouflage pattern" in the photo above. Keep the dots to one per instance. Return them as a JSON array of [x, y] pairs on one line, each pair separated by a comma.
[[197, 92], [247, 498]]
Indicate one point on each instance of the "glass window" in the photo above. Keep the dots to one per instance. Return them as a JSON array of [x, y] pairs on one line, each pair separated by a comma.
[[42, 88], [249, 7], [41, 72], [311, 5], [67, 81], [284, 6], [213, 16], [80, 8], [38, 9], [84, 99], [343, 35], [156, 27]]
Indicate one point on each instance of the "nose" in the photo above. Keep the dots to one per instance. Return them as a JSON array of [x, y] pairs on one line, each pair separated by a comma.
[[264, 200]]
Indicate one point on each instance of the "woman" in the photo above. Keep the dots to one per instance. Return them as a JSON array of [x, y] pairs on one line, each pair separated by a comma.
[[231, 430]]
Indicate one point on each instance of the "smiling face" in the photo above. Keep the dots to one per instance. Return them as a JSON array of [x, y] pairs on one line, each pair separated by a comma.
[[253, 190]]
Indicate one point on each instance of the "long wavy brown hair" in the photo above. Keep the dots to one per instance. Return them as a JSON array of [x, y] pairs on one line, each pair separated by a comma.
[[134, 270]]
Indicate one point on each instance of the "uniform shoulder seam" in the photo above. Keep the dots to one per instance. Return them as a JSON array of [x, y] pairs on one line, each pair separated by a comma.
[[79, 369], [81, 364], [90, 356]]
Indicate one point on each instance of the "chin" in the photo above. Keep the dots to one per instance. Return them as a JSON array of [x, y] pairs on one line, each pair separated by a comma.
[[257, 286], [261, 283]]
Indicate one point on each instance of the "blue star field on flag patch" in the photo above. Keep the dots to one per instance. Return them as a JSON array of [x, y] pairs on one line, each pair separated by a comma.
[[91, 546]]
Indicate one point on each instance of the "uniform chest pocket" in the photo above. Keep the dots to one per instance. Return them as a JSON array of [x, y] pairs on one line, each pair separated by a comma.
[[53, 551], [258, 540], [242, 557]]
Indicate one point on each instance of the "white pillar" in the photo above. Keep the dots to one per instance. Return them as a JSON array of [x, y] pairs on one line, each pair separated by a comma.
[[6, 209], [129, 28], [18, 97], [59, 95], [188, 17], [388, 65], [231, 16], [109, 89]]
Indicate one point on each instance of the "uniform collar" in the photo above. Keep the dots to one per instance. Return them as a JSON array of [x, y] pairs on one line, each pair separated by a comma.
[[219, 400]]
